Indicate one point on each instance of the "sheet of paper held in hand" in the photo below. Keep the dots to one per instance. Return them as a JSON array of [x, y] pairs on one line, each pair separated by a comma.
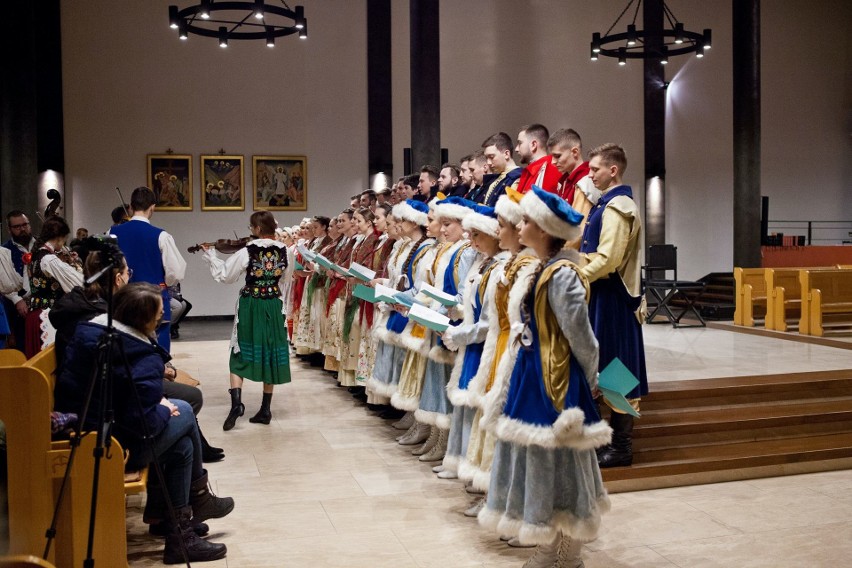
[[614, 382], [385, 294], [429, 318], [361, 272], [364, 293], [439, 295], [309, 255]]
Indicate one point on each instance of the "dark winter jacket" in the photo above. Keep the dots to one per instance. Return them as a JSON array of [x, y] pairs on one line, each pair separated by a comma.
[[146, 365], [67, 312]]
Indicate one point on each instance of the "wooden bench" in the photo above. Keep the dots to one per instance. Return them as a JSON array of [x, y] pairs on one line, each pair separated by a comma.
[[826, 300], [785, 299], [749, 292], [36, 466]]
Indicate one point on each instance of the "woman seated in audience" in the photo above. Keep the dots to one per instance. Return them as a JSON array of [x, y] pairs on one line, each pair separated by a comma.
[[171, 426]]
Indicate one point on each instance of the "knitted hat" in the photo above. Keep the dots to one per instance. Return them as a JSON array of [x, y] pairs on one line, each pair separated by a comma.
[[552, 214], [483, 219], [411, 210], [509, 206], [454, 208]]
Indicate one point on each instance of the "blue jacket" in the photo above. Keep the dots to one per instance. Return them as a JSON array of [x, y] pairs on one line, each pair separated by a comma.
[[146, 368]]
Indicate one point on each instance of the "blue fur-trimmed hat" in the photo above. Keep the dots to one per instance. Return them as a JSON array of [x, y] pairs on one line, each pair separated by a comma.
[[483, 219], [552, 214], [454, 208], [411, 210]]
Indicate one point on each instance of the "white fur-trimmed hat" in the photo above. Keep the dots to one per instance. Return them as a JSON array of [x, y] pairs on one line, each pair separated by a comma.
[[411, 210], [454, 208], [552, 214], [483, 219], [509, 206]]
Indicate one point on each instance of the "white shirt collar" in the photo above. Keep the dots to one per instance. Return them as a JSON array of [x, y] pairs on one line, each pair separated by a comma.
[[141, 218]]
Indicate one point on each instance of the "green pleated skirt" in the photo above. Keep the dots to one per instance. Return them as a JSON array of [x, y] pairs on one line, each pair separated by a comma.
[[264, 354]]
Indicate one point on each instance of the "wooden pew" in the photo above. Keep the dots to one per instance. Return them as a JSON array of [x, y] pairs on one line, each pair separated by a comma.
[[785, 299], [36, 466], [749, 291], [826, 297]]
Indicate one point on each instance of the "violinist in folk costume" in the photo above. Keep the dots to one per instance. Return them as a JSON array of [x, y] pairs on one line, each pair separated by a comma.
[[259, 350]]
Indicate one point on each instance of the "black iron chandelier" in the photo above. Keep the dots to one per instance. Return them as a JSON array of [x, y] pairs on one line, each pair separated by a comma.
[[239, 21], [671, 40]]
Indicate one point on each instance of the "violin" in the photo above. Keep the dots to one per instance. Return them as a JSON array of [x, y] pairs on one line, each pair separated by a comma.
[[225, 246]]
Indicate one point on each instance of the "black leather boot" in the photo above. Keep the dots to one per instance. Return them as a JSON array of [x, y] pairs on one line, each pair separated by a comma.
[[205, 505], [209, 453], [237, 408], [197, 549], [264, 415], [620, 452]]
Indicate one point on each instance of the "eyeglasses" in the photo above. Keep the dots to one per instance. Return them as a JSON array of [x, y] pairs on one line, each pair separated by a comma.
[[19, 225]]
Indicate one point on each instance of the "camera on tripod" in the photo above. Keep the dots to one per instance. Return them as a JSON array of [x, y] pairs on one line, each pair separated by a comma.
[[104, 244]]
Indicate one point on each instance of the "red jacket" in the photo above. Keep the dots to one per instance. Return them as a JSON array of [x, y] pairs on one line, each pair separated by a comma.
[[530, 174]]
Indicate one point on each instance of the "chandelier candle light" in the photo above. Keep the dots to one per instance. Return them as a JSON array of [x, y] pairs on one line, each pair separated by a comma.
[[239, 21], [649, 44]]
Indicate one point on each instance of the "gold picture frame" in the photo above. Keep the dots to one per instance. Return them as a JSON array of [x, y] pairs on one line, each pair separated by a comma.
[[170, 177], [222, 183], [280, 183]]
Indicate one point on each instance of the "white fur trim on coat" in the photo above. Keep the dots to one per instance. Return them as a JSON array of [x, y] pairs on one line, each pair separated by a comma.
[[481, 223], [452, 211], [567, 432], [406, 212], [381, 389], [494, 402], [441, 355], [509, 210], [407, 403], [539, 212], [440, 421], [581, 529]]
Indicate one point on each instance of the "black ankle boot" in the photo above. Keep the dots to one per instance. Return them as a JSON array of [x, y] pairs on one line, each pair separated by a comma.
[[197, 549], [209, 454], [165, 528], [264, 415], [205, 505], [620, 452], [237, 408]]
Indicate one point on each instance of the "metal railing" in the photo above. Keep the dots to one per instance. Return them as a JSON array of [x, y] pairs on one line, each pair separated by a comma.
[[815, 232]]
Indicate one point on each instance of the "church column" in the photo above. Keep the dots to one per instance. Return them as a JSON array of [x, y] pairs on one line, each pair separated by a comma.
[[746, 66], [425, 84], [655, 129], [379, 95], [31, 133]]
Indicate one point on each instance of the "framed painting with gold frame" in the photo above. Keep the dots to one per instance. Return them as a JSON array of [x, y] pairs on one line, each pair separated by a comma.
[[280, 183], [222, 183], [170, 177]]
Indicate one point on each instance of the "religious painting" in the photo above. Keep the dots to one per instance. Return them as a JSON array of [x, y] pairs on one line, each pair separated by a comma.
[[280, 183], [170, 177], [222, 183]]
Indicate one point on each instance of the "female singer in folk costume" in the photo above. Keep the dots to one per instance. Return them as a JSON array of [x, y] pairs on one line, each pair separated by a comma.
[[362, 253], [370, 317], [475, 467], [415, 340], [472, 366], [52, 272], [316, 293], [307, 330], [259, 350], [546, 486], [303, 237], [336, 303], [449, 274], [390, 357]]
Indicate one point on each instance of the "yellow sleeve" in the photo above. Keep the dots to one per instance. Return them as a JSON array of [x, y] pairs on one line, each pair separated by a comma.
[[615, 234]]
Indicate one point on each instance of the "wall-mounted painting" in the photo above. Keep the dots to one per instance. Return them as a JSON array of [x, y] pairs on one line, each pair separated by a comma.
[[280, 183], [222, 183], [170, 177]]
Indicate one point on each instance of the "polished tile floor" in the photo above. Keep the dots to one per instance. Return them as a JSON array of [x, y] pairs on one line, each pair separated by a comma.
[[325, 485]]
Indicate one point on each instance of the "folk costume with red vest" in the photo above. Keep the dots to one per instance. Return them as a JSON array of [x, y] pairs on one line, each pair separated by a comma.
[[542, 173]]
